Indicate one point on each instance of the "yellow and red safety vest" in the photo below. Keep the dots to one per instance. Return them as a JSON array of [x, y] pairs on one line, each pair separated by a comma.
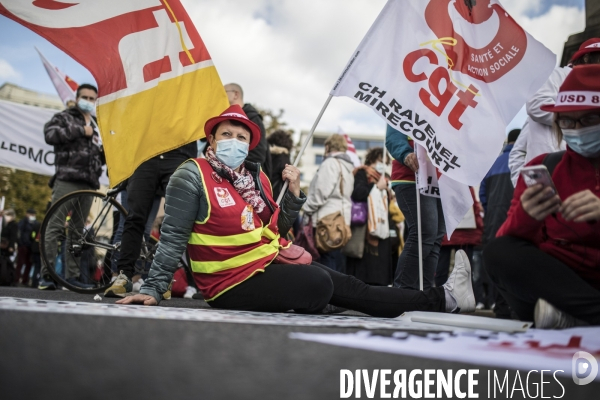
[[232, 243]]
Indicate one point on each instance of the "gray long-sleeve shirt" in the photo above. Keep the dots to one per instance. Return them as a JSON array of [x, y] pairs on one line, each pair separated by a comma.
[[186, 202]]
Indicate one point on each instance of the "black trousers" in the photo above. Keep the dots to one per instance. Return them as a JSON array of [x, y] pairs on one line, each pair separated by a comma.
[[149, 178], [523, 274], [309, 288]]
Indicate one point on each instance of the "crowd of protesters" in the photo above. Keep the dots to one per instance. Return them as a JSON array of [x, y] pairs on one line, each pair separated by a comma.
[[534, 246]]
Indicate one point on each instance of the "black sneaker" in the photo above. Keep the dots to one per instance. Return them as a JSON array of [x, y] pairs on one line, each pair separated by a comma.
[[76, 282], [46, 283]]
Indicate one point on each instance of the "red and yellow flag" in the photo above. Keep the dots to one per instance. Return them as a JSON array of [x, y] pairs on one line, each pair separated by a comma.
[[156, 81]]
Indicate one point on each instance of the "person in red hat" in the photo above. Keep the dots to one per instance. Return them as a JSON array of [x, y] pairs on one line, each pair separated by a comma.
[[222, 209], [537, 137], [546, 257]]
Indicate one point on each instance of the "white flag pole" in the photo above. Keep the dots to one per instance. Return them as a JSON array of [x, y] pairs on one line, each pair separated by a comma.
[[304, 145], [420, 239]]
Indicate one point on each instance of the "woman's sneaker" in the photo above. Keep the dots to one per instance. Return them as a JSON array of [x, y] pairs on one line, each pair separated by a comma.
[[120, 287], [459, 284], [546, 316]]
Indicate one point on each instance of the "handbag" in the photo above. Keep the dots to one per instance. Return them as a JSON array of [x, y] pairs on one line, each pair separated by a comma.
[[332, 232], [378, 213], [293, 255], [306, 239], [360, 211], [355, 247]]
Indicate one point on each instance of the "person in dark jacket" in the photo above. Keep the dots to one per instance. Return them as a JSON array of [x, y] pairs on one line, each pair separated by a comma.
[[260, 154], [280, 146], [375, 267], [8, 245], [235, 260], [26, 229], [78, 159], [495, 193]]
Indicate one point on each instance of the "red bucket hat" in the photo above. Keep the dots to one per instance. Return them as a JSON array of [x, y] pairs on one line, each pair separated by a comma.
[[579, 92], [235, 113], [589, 46]]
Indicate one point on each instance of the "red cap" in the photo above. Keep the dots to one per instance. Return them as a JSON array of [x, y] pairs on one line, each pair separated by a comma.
[[235, 113], [589, 46], [579, 92]]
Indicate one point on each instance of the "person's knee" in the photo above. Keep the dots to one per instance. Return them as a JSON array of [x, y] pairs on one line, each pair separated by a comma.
[[497, 258], [318, 287]]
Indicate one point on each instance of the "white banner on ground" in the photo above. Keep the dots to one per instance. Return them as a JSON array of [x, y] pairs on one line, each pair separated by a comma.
[[214, 315], [533, 350], [450, 74], [22, 144]]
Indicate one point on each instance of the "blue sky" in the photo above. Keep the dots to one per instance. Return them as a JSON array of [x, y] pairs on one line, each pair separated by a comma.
[[264, 25]]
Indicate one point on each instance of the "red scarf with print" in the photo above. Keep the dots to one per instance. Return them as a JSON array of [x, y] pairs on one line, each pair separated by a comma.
[[242, 181]]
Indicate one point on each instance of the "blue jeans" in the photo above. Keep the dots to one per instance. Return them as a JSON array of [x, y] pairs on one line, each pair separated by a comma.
[[433, 229], [334, 260]]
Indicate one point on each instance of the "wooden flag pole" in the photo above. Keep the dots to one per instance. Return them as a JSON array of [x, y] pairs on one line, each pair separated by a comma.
[[304, 145]]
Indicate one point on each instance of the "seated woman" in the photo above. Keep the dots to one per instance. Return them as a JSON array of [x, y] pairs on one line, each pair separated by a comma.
[[545, 260], [222, 208]]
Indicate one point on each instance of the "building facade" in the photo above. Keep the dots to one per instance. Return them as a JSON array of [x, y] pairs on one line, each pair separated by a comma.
[[17, 94], [592, 30]]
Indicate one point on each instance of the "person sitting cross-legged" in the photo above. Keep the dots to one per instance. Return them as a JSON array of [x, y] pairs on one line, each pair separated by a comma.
[[222, 209], [545, 260]]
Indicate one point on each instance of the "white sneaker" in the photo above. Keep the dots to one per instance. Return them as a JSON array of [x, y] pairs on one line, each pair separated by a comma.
[[189, 292], [546, 316], [480, 306], [459, 284], [137, 285]]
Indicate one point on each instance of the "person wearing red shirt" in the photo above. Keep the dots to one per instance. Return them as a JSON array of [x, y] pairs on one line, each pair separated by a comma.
[[545, 259]]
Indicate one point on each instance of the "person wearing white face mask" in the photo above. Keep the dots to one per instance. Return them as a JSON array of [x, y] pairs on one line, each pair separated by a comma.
[[78, 160], [222, 208], [546, 258]]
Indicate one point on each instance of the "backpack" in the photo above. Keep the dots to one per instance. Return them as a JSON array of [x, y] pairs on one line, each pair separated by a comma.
[[551, 160]]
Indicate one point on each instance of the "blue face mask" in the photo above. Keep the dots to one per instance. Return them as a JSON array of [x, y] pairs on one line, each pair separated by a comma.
[[85, 106], [584, 141], [232, 152]]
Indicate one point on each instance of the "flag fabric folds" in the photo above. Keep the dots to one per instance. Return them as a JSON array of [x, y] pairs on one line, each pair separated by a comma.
[[65, 86], [451, 75], [156, 81]]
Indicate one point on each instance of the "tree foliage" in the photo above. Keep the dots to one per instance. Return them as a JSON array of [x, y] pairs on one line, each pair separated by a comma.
[[24, 190], [274, 120]]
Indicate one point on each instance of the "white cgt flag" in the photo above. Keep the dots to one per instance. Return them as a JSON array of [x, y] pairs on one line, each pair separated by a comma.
[[451, 74], [456, 197]]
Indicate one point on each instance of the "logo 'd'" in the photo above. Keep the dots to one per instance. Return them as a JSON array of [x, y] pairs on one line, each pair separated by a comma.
[[584, 363], [488, 42]]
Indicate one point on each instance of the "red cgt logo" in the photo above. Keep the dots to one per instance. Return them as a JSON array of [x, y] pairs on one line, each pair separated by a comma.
[[479, 37]]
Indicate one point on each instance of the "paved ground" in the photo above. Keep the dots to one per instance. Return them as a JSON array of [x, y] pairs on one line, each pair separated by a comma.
[[61, 356]]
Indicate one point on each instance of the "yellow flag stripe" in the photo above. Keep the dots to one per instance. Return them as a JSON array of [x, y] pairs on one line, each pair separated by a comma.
[[180, 34]]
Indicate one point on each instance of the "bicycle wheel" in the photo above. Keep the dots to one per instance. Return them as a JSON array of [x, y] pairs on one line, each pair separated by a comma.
[[75, 240]]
